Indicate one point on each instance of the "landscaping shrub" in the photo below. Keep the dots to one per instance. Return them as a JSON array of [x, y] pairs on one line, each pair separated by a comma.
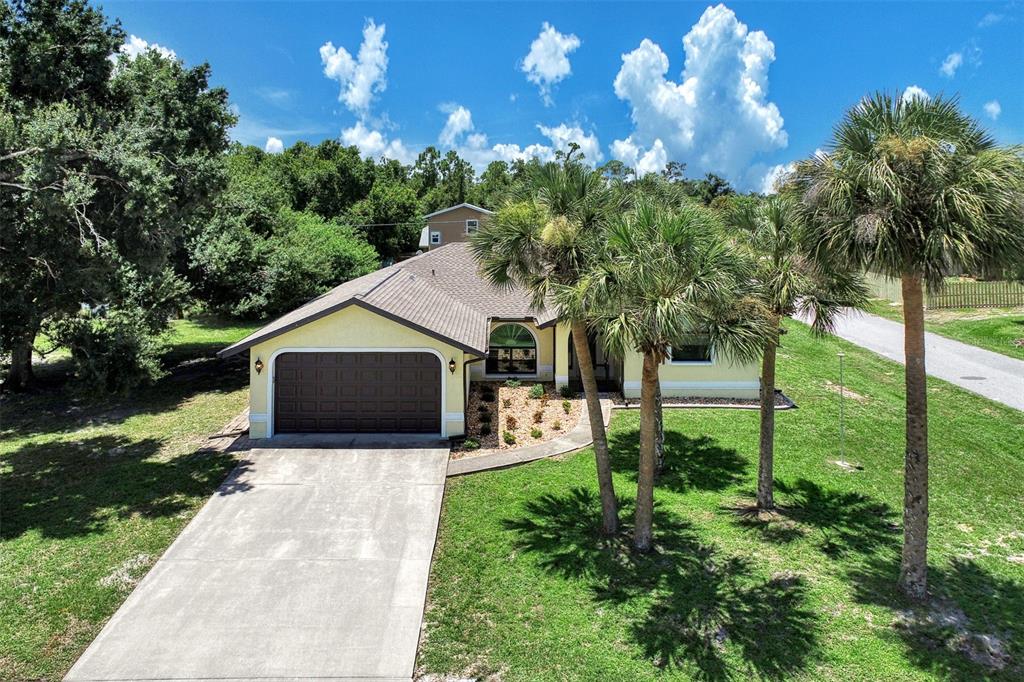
[[485, 418], [536, 433], [471, 444], [506, 403], [566, 406], [538, 416], [557, 426], [511, 423], [513, 383], [487, 397], [482, 408], [537, 391], [509, 438], [566, 392], [485, 430]]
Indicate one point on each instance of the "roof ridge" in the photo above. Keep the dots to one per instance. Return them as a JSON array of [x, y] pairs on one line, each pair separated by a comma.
[[369, 291]]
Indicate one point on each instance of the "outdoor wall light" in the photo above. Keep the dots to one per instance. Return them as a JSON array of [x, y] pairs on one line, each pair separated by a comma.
[[451, 365], [258, 365]]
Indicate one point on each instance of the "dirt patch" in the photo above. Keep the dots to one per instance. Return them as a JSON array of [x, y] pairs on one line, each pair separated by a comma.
[[852, 395], [514, 411], [128, 573], [946, 624]]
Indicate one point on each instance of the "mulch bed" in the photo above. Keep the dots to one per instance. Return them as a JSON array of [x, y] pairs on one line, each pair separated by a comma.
[[781, 401], [515, 402]]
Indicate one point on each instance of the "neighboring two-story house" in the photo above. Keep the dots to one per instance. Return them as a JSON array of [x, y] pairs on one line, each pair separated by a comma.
[[452, 224]]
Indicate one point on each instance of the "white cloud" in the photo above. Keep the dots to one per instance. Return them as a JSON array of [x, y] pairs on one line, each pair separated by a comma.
[[993, 109], [775, 175], [652, 160], [460, 121], [136, 46], [274, 145], [990, 19], [548, 60], [375, 144], [951, 63], [460, 134], [915, 92], [718, 118], [361, 77]]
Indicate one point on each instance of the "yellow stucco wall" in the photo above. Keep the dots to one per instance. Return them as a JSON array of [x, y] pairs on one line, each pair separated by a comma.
[[562, 354], [545, 351], [719, 379], [349, 329]]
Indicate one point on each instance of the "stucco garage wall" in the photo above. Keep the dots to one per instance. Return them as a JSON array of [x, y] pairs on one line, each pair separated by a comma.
[[720, 379], [353, 328]]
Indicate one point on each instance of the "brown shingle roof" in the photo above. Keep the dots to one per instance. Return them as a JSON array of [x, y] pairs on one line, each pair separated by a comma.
[[439, 293]]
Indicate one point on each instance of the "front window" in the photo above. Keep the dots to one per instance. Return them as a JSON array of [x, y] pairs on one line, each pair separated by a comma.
[[472, 226], [693, 349], [435, 237], [512, 351]]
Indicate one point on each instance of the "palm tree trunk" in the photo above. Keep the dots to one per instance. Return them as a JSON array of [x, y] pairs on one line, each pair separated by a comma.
[[659, 437], [644, 522], [766, 463], [609, 510], [914, 564]]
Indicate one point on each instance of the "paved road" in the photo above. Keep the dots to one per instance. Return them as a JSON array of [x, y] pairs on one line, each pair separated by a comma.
[[307, 563], [992, 375]]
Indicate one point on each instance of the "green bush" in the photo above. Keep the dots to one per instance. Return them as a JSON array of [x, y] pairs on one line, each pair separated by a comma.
[[485, 430], [509, 438], [566, 406], [538, 416], [536, 433], [537, 391], [485, 418], [482, 408], [566, 392], [112, 353], [513, 383], [557, 426], [487, 397], [471, 444]]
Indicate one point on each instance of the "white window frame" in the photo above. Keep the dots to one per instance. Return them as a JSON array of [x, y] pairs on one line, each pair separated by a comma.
[[435, 237], [476, 225], [693, 363]]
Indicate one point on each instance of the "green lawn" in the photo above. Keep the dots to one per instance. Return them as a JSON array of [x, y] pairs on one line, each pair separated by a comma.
[[522, 588], [995, 329], [93, 492]]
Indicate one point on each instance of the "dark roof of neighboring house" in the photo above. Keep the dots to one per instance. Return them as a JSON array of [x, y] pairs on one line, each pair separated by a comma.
[[462, 205], [439, 293]]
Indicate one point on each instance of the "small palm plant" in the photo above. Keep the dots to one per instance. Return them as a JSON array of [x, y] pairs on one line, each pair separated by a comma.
[[791, 278], [548, 238], [666, 274], [914, 189]]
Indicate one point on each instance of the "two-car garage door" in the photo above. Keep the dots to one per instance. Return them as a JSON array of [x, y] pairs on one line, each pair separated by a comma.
[[357, 393]]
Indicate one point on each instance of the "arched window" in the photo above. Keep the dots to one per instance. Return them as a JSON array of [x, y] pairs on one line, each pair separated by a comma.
[[512, 350]]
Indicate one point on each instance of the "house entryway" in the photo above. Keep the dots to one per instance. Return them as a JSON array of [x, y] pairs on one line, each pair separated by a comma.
[[607, 369]]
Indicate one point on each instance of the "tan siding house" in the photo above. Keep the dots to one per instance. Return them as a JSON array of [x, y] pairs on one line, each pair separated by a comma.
[[450, 225]]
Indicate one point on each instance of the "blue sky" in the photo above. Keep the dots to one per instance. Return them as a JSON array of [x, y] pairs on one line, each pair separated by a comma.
[[763, 83]]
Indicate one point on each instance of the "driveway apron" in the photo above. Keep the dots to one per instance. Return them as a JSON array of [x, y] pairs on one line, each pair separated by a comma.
[[307, 563]]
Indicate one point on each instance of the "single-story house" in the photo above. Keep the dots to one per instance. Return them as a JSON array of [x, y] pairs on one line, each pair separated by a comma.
[[450, 225], [395, 352]]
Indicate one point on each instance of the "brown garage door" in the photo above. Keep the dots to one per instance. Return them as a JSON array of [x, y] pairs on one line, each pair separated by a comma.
[[357, 393]]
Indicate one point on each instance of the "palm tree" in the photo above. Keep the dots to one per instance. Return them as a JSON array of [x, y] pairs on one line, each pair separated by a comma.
[[791, 278], [914, 189], [665, 275], [547, 238]]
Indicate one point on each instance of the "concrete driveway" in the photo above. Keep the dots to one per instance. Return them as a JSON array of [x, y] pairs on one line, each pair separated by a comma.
[[307, 563]]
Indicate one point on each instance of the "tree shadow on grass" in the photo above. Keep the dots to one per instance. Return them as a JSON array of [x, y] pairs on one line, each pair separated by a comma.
[[710, 615], [690, 463], [842, 521], [59, 409], [67, 489], [969, 628]]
